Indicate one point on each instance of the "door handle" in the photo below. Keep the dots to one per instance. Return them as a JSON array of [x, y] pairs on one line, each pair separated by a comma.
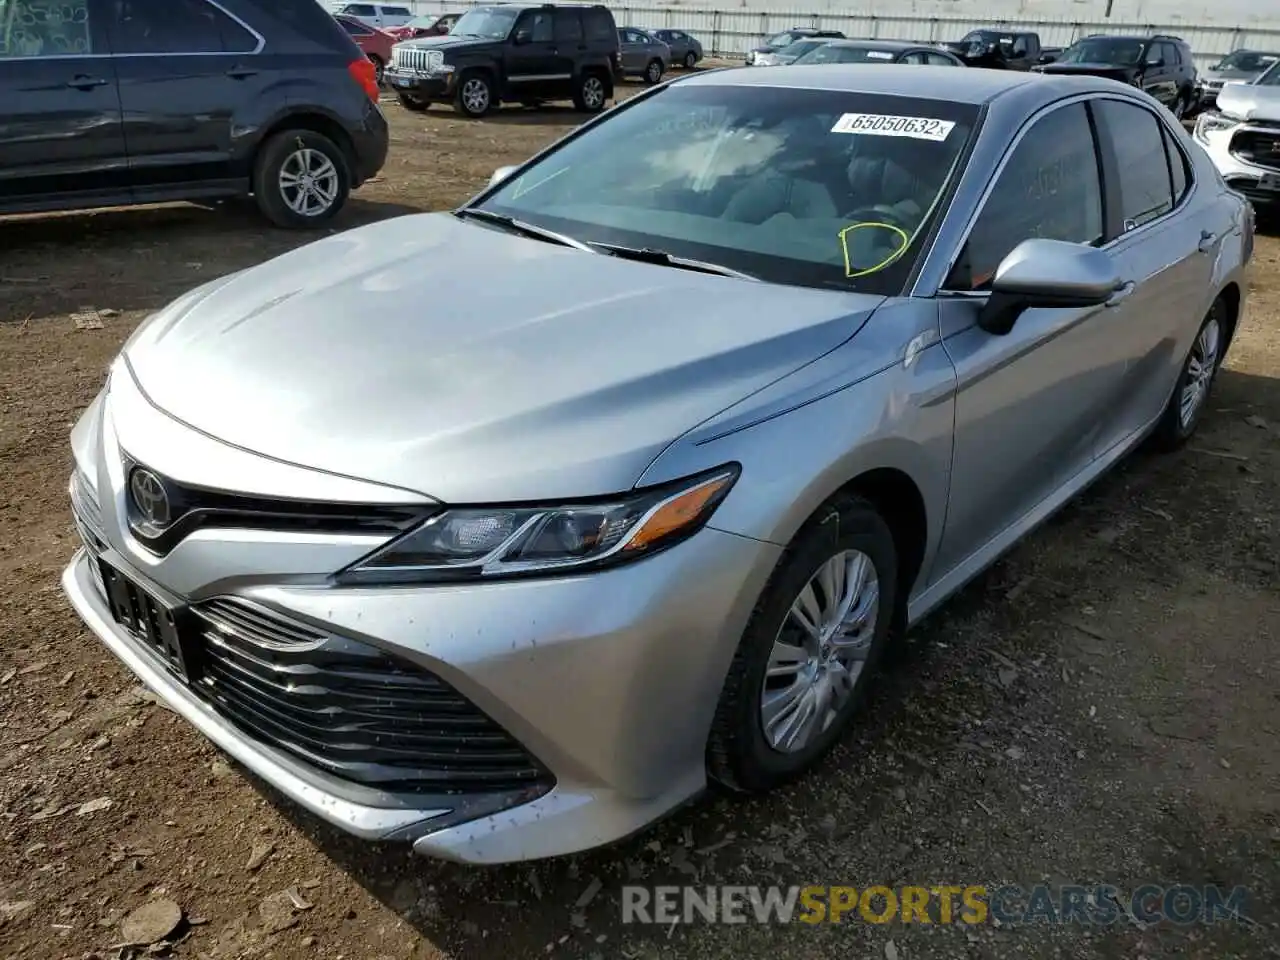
[[239, 73], [84, 82], [1207, 239], [1122, 293]]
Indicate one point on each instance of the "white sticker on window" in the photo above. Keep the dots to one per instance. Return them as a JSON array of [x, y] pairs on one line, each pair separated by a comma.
[[883, 125], [879, 55]]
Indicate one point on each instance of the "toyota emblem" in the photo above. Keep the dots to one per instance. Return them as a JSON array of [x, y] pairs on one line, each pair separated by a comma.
[[150, 498]]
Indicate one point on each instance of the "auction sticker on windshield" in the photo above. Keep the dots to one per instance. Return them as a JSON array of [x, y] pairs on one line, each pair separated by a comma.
[[883, 125]]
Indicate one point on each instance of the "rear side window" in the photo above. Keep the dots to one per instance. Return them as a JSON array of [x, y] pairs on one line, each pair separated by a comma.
[[176, 26], [31, 29], [938, 60], [1146, 190], [568, 28], [359, 9], [1178, 174], [1049, 188], [396, 12], [599, 25]]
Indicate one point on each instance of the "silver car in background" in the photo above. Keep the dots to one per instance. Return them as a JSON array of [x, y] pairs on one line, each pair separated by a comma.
[[879, 51], [686, 49], [1242, 137], [643, 55], [515, 570], [1239, 65], [791, 53]]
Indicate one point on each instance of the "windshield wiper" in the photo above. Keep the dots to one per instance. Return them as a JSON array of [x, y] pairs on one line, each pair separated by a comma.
[[664, 259], [519, 226]]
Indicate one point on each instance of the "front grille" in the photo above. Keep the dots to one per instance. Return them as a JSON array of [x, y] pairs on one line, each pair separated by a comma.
[[415, 58], [1248, 188], [352, 710], [1258, 147]]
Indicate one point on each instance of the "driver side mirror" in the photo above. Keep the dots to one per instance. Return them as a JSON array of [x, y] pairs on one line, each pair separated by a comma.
[[1047, 273], [501, 174], [522, 36]]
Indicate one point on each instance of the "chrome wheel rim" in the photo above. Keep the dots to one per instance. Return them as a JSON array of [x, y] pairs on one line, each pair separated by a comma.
[[475, 95], [1201, 366], [308, 182], [592, 92], [655, 72], [820, 651]]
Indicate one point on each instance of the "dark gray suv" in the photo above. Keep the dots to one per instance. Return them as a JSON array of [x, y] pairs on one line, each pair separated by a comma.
[[118, 102]]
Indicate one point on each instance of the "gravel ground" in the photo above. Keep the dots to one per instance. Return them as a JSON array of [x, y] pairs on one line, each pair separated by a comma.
[[1101, 707]]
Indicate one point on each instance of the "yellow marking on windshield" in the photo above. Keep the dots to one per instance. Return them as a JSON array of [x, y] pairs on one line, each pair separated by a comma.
[[843, 237], [518, 189]]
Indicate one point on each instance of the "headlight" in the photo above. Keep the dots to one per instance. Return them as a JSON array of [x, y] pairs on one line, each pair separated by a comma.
[[488, 542], [1209, 123]]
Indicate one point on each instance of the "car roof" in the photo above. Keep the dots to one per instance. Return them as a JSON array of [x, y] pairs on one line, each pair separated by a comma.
[[877, 44]]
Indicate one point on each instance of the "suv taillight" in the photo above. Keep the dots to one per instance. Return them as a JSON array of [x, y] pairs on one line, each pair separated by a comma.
[[364, 73]]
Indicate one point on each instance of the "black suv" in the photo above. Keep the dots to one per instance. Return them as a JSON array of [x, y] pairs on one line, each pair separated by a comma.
[[118, 102], [514, 53], [1161, 65]]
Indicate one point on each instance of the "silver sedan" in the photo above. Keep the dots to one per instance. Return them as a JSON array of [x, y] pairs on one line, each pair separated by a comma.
[[439, 527]]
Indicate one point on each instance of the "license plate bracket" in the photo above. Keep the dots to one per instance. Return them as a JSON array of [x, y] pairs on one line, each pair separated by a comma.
[[1269, 181], [149, 619], [403, 82]]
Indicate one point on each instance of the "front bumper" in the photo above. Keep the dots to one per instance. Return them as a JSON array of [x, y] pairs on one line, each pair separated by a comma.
[[1259, 182], [609, 680], [435, 88]]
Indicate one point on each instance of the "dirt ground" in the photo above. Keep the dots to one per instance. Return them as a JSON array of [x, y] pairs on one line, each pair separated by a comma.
[[1101, 707]]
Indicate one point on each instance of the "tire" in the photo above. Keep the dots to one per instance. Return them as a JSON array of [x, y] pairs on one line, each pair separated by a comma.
[[1179, 108], [1195, 382], [379, 68], [741, 756], [475, 95], [690, 60], [653, 72], [295, 155], [410, 102], [590, 93]]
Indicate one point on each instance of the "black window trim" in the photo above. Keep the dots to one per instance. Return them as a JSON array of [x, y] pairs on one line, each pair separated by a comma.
[[260, 42], [953, 258]]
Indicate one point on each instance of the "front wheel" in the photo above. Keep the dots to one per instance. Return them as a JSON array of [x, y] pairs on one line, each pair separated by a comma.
[[653, 72], [300, 179], [1191, 394], [1179, 108], [590, 93], [807, 653], [475, 96], [690, 60]]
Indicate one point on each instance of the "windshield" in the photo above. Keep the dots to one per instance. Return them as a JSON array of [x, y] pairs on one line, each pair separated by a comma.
[[800, 48], [1270, 77], [1121, 51], [491, 23], [424, 21], [834, 53], [779, 40], [1246, 61], [809, 187]]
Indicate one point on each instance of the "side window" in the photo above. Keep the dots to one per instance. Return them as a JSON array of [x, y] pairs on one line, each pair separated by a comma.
[[915, 56], [44, 28], [1135, 134], [176, 26], [1169, 53], [1177, 168], [1020, 46], [568, 28], [359, 9], [598, 24], [396, 12], [1049, 188], [538, 24], [938, 60]]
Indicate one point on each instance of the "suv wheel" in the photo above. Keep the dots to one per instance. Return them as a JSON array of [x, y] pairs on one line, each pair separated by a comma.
[[653, 72], [300, 179], [590, 93], [475, 95]]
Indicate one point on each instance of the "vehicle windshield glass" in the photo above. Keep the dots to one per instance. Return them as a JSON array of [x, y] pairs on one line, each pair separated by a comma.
[[800, 48], [835, 53], [1122, 51], [781, 39], [423, 22], [809, 187], [1270, 77], [492, 23], [1246, 61]]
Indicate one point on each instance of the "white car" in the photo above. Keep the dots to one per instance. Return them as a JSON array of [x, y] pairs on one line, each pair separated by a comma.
[[1242, 136], [380, 15]]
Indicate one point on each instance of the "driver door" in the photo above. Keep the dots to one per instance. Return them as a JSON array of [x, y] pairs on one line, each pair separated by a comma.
[[531, 59], [1030, 405]]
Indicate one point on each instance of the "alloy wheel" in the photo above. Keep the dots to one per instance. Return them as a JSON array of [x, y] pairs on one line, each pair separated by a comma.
[[690, 61], [592, 92], [655, 72], [820, 651], [309, 182], [1201, 366], [475, 96]]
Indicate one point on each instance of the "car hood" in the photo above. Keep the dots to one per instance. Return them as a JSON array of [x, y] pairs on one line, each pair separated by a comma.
[[1248, 101], [468, 364], [1091, 69], [1221, 76], [448, 42]]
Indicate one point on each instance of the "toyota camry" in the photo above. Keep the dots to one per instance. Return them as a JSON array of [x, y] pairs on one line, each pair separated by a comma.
[[442, 529]]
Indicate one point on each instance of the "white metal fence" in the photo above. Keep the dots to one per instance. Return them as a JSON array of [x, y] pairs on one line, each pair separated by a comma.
[[729, 33]]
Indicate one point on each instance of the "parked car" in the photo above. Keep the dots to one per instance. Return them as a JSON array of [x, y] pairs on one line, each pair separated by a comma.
[[501, 54], [686, 49], [1243, 65], [146, 102], [998, 49], [790, 53], [1160, 65], [517, 573], [643, 55], [1241, 135], [429, 25], [879, 51], [785, 39], [380, 15], [374, 43]]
